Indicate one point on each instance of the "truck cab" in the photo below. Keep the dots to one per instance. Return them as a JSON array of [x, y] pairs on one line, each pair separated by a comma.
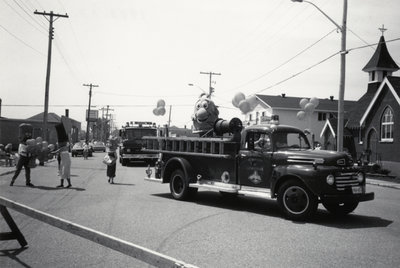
[[132, 145], [270, 161]]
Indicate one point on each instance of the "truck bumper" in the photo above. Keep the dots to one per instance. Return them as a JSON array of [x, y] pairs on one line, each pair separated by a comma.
[[348, 198]]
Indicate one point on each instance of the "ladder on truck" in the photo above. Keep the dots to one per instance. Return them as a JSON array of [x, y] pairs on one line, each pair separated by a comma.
[[215, 147]]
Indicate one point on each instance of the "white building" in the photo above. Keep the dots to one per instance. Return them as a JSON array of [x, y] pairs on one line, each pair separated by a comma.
[[287, 109]]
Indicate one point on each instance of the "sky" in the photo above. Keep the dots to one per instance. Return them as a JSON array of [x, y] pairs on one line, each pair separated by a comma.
[[141, 51]]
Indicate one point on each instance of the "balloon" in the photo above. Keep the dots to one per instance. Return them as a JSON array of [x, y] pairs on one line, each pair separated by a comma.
[[237, 99], [309, 108], [303, 103], [301, 115], [155, 111], [51, 147], [160, 103], [30, 142], [244, 106], [314, 101], [161, 110], [44, 145], [252, 101], [39, 140]]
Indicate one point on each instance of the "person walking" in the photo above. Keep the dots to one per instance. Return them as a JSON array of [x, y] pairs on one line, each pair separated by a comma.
[[65, 165], [23, 161], [112, 166], [85, 151], [65, 162]]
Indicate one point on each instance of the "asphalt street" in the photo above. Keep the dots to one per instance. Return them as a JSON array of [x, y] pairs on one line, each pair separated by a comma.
[[210, 231]]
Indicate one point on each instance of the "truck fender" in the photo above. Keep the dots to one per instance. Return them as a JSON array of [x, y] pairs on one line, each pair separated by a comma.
[[284, 176], [177, 163]]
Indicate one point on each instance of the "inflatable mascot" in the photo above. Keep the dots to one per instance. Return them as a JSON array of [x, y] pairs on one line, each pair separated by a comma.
[[204, 117]]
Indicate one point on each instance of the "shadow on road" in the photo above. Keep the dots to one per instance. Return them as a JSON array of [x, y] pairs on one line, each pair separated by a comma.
[[271, 208], [125, 184], [13, 253], [47, 188]]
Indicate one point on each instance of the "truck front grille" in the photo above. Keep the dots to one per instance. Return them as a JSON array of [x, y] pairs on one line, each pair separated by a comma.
[[346, 180]]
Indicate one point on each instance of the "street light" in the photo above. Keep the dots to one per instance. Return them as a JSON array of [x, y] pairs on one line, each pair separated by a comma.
[[343, 53]]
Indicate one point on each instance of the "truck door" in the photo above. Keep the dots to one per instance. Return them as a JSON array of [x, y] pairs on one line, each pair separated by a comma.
[[255, 160]]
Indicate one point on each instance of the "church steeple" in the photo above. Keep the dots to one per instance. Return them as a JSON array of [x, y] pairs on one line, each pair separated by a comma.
[[381, 64]]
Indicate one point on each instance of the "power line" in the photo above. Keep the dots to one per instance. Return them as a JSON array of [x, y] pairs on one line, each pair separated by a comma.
[[22, 41], [34, 26], [296, 74], [29, 15], [285, 62]]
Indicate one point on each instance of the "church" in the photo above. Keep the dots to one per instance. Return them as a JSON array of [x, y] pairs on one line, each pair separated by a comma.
[[374, 122]]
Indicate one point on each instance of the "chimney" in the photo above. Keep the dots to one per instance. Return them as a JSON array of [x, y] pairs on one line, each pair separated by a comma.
[[331, 98], [283, 95], [0, 107], [66, 112]]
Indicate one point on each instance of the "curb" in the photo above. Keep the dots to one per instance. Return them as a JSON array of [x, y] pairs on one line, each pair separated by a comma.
[[383, 184]]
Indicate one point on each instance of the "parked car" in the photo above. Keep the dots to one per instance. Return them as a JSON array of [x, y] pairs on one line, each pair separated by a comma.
[[99, 146], [77, 149]]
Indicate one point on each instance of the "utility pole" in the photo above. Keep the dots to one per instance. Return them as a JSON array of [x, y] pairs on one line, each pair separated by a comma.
[[108, 109], [210, 87], [343, 52], [51, 36], [88, 113]]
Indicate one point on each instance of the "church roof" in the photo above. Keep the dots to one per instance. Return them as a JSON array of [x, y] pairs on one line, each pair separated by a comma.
[[381, 59], [363, 106]]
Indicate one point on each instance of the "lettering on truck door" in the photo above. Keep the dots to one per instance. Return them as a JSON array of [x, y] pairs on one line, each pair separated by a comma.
[[255, 160]]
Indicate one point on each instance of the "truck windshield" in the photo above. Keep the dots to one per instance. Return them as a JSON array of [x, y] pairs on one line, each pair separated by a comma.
[[138, 133], [284, 141]]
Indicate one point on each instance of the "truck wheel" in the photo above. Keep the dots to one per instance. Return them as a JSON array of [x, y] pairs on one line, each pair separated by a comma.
[[340, 209], [296, 201], [123, 162], [178, 185]]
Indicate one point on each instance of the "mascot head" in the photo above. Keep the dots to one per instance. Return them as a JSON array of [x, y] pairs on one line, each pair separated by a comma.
[[205, 114]]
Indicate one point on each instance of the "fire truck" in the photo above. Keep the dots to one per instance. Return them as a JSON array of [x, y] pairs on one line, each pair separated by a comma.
[[133, 144], [269, 161]]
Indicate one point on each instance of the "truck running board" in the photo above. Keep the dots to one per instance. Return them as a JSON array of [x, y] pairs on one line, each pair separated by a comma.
[[232, 188]]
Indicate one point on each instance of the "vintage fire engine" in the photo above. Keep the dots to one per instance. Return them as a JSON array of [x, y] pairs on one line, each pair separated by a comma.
[[270, 161], [133, 144]]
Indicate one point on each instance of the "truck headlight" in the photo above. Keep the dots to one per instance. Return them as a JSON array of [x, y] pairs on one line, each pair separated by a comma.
[[360, 177], [330, 179]]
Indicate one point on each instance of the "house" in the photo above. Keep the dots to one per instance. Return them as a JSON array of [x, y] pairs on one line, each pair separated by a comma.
[[374, 120], [9, 128], [287, 109]]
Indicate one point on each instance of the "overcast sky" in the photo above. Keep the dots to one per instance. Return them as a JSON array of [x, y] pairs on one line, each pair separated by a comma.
[[140, 51]]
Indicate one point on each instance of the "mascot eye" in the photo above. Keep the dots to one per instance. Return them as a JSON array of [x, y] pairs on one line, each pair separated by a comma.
[[205, 105], [198, 105]]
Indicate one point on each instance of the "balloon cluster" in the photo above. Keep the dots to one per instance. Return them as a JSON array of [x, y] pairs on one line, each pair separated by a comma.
[[244, 104], [308, 107], [160, 110]]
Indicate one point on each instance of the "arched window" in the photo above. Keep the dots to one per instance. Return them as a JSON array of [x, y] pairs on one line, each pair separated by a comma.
[[387, 123]]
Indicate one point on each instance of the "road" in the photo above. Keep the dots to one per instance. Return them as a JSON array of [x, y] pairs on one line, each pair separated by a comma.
[[210, 231]]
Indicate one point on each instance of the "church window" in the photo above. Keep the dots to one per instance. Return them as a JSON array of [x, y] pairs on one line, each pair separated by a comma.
[[387, 123]]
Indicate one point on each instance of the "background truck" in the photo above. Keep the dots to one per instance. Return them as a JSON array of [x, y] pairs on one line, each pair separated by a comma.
[[268, 161], [132, 145]]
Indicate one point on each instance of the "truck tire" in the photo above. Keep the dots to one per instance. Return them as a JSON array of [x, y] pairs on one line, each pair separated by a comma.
[[179, 186], [340, 209], [123, 162], [296, 201]]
